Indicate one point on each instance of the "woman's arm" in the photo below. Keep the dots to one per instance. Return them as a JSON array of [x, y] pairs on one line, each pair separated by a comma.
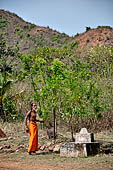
[[41, 121], [25, 120]]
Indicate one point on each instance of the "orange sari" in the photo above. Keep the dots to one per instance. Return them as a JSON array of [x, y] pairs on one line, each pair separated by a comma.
[[33, 137]]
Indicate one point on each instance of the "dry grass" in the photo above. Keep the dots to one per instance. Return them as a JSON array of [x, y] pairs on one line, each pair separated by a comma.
[[19, 159]]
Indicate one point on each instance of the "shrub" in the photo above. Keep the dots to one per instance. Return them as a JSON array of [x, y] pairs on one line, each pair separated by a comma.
[[3, 23], [88, 28]]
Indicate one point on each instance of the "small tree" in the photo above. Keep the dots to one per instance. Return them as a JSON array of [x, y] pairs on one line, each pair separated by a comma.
[[52, 91], [81, 95], [88, 28]]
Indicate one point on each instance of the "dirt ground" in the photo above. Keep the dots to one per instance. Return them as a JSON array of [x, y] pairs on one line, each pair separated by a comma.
[[14, 156], [22, 161]]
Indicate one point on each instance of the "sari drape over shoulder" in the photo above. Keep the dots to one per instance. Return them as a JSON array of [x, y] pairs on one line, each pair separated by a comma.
[[33, 137]]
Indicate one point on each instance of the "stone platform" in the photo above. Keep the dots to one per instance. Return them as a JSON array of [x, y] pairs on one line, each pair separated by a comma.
[[83, 146], [73, 149]]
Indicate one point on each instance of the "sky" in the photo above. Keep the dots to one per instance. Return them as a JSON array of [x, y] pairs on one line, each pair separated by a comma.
[[65, 16]]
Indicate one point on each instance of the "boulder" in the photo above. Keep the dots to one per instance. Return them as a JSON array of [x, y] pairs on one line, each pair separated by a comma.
[[57, 148], [2, 134]]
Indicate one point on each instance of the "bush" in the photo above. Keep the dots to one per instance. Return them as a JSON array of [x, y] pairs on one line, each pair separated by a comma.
[[3, 23], [88, 28], [10, 111]]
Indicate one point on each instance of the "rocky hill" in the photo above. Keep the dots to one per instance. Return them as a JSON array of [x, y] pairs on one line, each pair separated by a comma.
[[27, 36], [101, 36]]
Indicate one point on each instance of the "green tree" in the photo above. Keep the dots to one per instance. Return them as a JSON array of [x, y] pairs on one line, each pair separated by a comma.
[[62, 85], [81, 94], [88, 28], [4, 86], [6, 68], [52, 90]]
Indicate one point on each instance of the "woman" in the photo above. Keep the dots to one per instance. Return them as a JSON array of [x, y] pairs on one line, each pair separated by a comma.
[[32, 129]]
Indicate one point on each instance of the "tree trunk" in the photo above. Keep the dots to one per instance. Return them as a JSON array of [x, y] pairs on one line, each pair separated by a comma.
[[71, 128], [1, 109], [72, 137], [54, 123]]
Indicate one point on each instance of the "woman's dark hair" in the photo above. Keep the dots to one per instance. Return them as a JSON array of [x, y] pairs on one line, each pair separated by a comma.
[[32, 105]]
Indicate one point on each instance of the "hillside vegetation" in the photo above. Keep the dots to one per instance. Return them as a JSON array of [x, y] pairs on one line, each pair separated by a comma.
[[27, 36], [70, 78]]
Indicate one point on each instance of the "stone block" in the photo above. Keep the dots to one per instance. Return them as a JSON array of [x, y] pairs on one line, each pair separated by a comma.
[[84, 136], [73, 149], [92, 148], [57, 148]]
